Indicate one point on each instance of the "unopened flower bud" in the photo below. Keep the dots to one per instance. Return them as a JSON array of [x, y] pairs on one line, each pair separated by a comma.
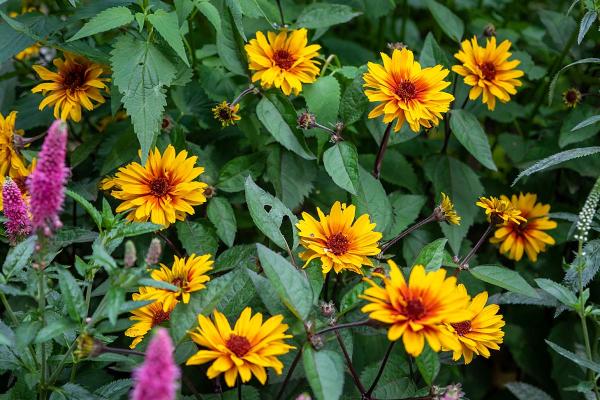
[[317, 341], [396, 46], [489, 30], [167, 123], [154, 252], [304, 396], [130, 256], [452, 392], [87, 346], [210, 192], [327, 309], [306, 120]]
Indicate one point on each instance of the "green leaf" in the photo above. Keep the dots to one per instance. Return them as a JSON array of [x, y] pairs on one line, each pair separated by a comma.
[[432, 255], [18, 257], [235, 9], [525, 391], [451, 25], [350, 299], [586, 23], [428, 364], [52, 330], [268, 213], [158, 284], [405, 210], [292, 176], [108, 19], [577, 359], [587, 122], [268, 295], [470, 134], [341, 163], [291, 285], [371, 199], [167, 26], [354, 102], [398, 170], [141, 73], [556, 159], [238, 256], [322, 15], [115, 389], [220, 213], [210, 12], [197, 238], [504, 278], [71, 391], [233, 174], [89, 207], [71, 295], [228, 48], [325, 373], [323, 99], [272, 119], [432, 54], [558, 291], [568, 135]]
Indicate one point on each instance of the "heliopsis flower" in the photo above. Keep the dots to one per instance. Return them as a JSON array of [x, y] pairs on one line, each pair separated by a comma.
[[77, 82], [447, 211], [417, 310], [147, 317], [571, 97], [528, 236], [406, 91], [283, 60], [163, 190], [337, 240], [31, 51], [18, 223], [187, 273], [481, 332], [226, 114], [11, 162], [488, 70], [500, 210], [247, 349]]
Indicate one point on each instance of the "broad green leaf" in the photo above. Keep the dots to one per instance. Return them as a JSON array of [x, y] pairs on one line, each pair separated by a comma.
[[108, 19], [432, 255], [558, 291], [323, 99], [586, 23], [115, 389], [52, 330], [350, 300], [167, 26], [405, 210], [325, 373], [291, 285], [228, 47], [71, 295], [235, 9], [268, 214], [341, 163], [197, 238], [292, 176], [210, 12], [269, 296], [470, 134], [354, 102], [322, 15], [451, 25], [233, 174], [72, 391], [158, 284], [89, 207], [371, 199], [569, 135], [428, 364], [141, 73], [576, 358], [238, 256], [221, 214], [272, 119], [587, 122], [432, 54], [504, 278], [525, 391], [556, 159]]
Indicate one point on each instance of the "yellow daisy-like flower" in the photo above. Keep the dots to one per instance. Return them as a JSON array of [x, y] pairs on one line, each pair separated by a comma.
[[528, 236], [147, 317], [571, 97], [481, 332], [226, 114], [11, 161], [417, 310], [406, 91], [500, 210], [339, 241], [447, 210], [31, 51], [283, 60], [187, 273], [77, 82], [162, 191], [488, 70], [247, 349]]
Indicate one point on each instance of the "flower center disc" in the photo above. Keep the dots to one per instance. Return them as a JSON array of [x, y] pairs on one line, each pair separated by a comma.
[[414, 309], [160, 316], [179, 282], [239, 345], [338, 244], [406, 91], [488, 70], [160, 187], [283, 59], [74, 78], [462, 328]]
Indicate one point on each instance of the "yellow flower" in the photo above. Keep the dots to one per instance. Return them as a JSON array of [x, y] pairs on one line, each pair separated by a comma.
[[77, 82], [11, 162], [418, 310], [571, 97], [31, 51], [488, 70], [226, 114], [162, 191], [528, 236], [247, 349], [406, 91], [147, 317], [187, 273], [339, 241], [447, 210], [500, 210], [481, 332], [284, 60]]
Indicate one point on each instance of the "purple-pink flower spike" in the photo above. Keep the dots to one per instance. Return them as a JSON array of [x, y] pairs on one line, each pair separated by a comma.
[[18, 224], [47, 181], [157, 378]]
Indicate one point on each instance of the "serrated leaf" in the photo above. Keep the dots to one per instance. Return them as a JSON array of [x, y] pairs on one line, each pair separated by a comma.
[[451, 25], [234, 173], [141, 73], [586, 122], [586, 23], [428, 364], [525, 391], [577, 359], [354, 102], [558, 291], [323, 99], [322, 15], [227, 46], [18, 257], [89, 207], [432, 54], [504, 278], [470, 134], [325, 373], [341, 163], [405, 210], [197, 238], [71, 295], [371, 199], [167, 26], [555, 78], [432, 255], [52, 330], [106, 20], [221, 214], [210, 12]]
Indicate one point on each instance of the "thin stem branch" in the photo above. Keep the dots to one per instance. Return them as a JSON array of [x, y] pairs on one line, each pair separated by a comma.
[[413, 228], [191, 386], [62, 363], [42, 309], [281, 12], [343, 326], [239, 389], [289, 374], [169, 243], [381, 368], [381, 151], [471, 253], [355, 376], [250, 89], [128, 352]]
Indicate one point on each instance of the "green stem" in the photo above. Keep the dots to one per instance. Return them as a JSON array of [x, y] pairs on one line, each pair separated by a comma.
[[61, 364], [42, 309]]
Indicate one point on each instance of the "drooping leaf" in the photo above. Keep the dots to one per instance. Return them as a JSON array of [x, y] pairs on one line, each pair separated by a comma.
[[325, 373], [504, 278], [555, 78], [586, 23], [323, 15], [451, 25], [577, 359], [558, 291], [470, 134], [108, 19], [525, 391]]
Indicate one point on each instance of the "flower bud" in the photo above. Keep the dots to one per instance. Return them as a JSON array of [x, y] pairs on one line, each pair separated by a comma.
[[306, 120], [154, 252], [130, 256]]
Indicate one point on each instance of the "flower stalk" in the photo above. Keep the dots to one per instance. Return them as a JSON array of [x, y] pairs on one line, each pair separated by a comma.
[[381, 151]]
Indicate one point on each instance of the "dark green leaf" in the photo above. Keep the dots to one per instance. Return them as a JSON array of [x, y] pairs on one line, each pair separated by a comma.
[[432, 255], [220, 213], [504, 278], [325, 373], [71, 295], [341, 163], [322, 15], [197, 238], [470, 134], [428, 364], [371, 199], [577, 359], [108, 19], [451, 25], [558, 291], [167, 26]]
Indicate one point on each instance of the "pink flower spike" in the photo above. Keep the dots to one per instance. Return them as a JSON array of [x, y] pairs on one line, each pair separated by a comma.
[[157, 377], [47, 181], [18, 224]]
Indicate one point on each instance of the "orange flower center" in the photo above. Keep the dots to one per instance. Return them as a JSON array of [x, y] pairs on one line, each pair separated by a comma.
[[462, 328], [74, 77], [488, 70], [414, 309], [160, 187], [159, 316], [239, 345], [21, 182], [338, 244], [406, 91], [283, 59], [179, 282]]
